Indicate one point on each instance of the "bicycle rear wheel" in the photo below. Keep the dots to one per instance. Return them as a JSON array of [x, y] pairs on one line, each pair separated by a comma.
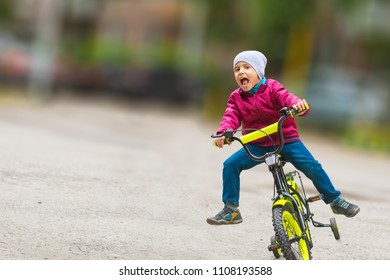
[[289, 233]]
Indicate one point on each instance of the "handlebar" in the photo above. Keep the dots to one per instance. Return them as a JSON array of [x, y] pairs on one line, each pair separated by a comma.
[[245, 139]]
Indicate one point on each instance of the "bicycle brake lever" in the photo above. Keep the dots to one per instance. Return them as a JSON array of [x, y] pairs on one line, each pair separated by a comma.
[[228, 134]]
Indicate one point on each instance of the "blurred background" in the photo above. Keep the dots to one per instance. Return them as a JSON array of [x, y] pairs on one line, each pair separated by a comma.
[[178, 53]]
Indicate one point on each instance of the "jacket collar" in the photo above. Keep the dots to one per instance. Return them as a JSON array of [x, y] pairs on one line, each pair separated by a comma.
[[261, 86]]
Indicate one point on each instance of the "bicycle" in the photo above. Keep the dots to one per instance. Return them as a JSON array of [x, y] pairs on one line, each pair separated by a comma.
[[291, 213]]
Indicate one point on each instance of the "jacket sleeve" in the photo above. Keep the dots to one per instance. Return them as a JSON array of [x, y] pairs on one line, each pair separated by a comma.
[[231, 119], [284, 98]]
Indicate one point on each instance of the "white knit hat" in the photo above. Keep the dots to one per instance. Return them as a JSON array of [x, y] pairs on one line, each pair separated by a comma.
[[255, 58]]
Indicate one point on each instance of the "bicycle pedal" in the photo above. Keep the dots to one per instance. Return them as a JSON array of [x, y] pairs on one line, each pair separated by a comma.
[[314, 198], [273, 247]]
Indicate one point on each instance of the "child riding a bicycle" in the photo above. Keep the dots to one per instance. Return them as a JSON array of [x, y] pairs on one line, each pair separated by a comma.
[[254, 105]]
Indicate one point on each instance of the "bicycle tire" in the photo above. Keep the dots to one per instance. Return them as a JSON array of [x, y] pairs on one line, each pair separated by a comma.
[[286, 227]]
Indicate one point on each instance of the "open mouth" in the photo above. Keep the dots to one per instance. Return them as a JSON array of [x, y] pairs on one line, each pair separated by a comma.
[[244, 81]]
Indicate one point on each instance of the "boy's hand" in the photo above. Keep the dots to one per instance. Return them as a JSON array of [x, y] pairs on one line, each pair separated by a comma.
[[301, 107], [219, 142]]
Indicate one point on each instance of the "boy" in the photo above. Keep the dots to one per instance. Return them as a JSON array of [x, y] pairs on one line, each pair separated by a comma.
[[256, 104]]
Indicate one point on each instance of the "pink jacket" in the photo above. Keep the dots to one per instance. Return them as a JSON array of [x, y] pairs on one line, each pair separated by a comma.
[[259, 110]]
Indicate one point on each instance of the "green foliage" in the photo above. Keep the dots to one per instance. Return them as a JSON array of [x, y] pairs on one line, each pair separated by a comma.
[[6, 10], [279, 15], [251, 21], [162, 54], [373, 137], [377, 49], [106, 52], [100, 52], [347, 5], [223, 22]]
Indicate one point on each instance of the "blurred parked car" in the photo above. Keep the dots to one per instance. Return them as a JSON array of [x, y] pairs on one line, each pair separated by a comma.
[[338, 97], [168, 85]]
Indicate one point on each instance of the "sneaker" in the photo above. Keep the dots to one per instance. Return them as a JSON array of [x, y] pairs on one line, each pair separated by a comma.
[[341, 206], [225, 217]]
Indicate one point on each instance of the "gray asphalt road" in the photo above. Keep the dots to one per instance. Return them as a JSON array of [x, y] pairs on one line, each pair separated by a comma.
[[91, 180]]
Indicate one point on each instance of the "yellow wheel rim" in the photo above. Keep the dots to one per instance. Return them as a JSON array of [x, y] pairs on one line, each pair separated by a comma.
[[293, 230]]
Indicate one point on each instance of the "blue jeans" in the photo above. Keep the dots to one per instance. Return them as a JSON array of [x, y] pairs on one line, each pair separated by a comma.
[[296, 153]]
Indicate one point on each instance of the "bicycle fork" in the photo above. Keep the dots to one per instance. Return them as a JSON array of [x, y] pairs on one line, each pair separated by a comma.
[[276, 168]]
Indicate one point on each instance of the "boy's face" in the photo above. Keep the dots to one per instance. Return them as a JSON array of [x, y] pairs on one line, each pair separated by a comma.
[[245, 75]]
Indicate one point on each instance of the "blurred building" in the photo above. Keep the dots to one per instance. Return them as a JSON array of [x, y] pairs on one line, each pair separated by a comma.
[[133, 48]]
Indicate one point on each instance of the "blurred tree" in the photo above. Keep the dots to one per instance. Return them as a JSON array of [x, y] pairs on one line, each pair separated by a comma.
[[263, 23], [7, 10], [80, 28]]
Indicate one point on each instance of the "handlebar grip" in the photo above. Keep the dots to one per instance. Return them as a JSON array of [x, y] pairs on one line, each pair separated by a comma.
[[225, 142], [291, 111], [295, 112], [228, 134]]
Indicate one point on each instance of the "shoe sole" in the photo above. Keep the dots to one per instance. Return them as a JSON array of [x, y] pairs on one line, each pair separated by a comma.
[[348, 216], [222, 222], [354, 213]]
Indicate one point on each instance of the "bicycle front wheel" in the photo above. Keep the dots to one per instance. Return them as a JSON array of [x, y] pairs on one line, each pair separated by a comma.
[[294, 245]]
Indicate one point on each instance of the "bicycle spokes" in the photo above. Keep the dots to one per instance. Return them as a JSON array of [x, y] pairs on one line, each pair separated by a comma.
[[289, 233]]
